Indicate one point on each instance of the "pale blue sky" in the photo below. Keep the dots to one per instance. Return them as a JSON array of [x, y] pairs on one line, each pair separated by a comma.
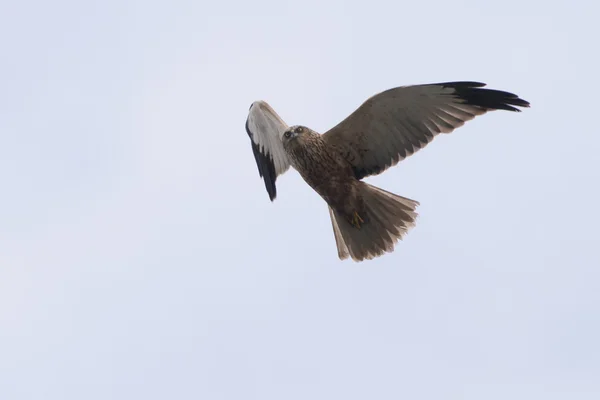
[[140, 256]]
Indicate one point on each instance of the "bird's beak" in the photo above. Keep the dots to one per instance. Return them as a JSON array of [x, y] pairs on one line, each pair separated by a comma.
[[291, 133]]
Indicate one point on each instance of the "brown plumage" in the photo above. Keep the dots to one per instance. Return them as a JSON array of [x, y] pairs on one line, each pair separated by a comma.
[[368, 221]]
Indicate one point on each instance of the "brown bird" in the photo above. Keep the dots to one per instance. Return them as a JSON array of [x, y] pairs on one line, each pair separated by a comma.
[[388, 127]]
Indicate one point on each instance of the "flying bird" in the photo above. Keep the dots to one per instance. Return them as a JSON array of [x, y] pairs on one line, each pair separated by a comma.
[[388, 127]]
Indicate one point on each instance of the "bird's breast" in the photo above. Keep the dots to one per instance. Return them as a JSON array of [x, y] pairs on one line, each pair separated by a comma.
[[323, 169]]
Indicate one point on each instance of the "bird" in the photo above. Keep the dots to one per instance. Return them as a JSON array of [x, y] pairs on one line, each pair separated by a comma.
[[388, 127]]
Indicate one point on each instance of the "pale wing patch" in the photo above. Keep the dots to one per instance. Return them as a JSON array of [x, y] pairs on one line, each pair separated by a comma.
[[267, 129]]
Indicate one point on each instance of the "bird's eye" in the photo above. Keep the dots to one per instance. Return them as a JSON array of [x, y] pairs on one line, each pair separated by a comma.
[[287, 134], [299, 129]]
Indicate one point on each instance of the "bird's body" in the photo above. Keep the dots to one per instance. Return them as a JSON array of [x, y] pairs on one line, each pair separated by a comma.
[[367, 221], [326, 171]]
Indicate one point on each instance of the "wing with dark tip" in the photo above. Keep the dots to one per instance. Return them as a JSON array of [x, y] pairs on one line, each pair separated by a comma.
[[265, 127], [394, 124]]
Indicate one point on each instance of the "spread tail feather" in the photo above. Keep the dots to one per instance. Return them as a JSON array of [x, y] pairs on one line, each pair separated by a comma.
[[389, 218]]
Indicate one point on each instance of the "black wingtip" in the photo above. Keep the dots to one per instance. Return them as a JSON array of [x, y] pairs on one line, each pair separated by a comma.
[[473, 94], [265, 165]]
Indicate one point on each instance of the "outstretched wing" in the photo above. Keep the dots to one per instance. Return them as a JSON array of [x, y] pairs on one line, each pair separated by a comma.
[[394, 124], [265, 129]]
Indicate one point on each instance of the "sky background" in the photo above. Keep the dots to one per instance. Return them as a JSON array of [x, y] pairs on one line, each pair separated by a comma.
[[140, 256]]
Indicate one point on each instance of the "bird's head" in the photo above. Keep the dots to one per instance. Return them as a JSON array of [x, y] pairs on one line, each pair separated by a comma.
[[295, 132]]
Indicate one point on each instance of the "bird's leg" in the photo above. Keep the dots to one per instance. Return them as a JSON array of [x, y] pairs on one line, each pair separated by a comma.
[[356, 220]]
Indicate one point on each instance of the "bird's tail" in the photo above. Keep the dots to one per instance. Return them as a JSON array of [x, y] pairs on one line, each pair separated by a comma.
[[388, 219]]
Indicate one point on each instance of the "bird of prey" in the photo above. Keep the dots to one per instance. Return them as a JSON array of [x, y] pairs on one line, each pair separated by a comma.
[[388, 127]]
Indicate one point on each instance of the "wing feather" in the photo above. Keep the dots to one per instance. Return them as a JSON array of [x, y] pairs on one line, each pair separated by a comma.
[[397, 123], [265, 127]]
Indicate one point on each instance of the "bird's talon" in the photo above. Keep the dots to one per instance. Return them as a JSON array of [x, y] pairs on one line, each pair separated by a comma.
[[357, 220]]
